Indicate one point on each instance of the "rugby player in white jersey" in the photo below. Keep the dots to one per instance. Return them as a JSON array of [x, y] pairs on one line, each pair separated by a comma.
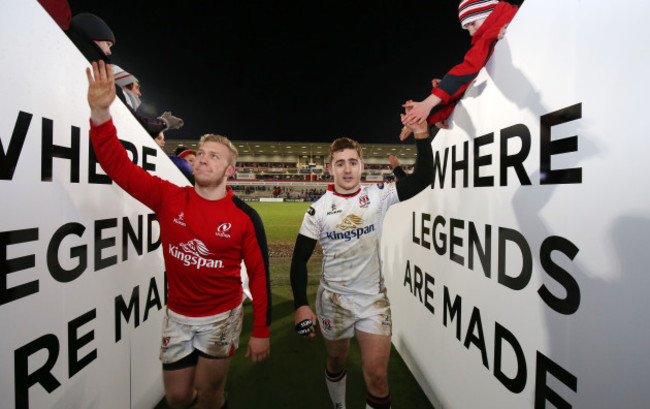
[[351, 298]]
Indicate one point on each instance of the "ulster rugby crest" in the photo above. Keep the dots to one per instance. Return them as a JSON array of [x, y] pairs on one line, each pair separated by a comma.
[[223, 230], [364, 201]]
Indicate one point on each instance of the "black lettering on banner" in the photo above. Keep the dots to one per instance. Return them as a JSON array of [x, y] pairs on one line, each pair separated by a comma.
[[9, 159], [424, 230], [571, 302], [516, 383], [79, 252], [543, 392], [428, 292], [153, 298], [101, 244], [441, 171], [129, 234], [484, 254], [25, 379], [8, 266], [509, 240], [512, 377], [514, 282], [50, 151], [441, 249], [121, 310], [460, 165], [485, 181], [549, 148], [146, 152], [452, 310], [415, 238], [75, 343], [455, 240], [151, 244], [407, 276], [93, 176], [479, 339], [516, 160], [416, 282]]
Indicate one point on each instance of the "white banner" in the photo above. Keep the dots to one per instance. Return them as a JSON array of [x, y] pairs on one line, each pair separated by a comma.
[[82, 286], [521, 280]]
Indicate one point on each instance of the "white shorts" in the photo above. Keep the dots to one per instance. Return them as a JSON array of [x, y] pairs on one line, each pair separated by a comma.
[[339, 315], [216, 336]]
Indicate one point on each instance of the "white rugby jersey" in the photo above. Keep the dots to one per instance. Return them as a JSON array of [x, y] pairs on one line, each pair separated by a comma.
[[349, 230]]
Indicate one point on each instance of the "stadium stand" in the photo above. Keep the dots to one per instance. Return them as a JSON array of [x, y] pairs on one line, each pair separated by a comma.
[[297, 171]]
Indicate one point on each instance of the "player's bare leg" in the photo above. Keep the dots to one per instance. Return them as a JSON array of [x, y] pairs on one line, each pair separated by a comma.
[[210, 381], [375, 351], [335, 375], [179, 387]]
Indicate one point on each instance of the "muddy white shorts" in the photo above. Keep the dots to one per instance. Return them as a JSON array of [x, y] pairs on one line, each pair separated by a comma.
[[339, 315], [216, 336]]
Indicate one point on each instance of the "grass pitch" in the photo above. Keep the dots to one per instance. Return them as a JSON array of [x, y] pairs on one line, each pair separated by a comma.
[[281, 220], [293, 376]]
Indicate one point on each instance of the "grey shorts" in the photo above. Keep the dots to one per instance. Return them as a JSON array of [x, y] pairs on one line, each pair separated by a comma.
[[339, 315], [216, 336]]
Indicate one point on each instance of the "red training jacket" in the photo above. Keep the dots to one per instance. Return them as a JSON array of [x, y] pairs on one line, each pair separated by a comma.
[[204, 241], [453, 85]]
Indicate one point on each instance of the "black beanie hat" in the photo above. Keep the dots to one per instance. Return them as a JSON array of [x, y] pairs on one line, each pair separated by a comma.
[[93, 27]]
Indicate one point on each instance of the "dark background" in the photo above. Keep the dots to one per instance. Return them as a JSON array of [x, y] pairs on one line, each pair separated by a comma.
[[283, 71]]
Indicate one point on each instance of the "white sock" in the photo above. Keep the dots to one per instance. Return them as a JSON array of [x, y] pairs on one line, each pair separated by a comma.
[[336, 388]]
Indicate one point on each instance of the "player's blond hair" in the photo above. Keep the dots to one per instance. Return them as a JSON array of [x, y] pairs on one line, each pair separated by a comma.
[[210, 137]]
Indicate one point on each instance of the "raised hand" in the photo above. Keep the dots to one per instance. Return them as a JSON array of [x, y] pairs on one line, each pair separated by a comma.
[[419, 111], [101, 91], [419, 127], [394, 162]]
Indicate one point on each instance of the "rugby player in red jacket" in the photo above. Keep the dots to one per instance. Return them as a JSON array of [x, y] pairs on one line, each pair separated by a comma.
[[205, 231]]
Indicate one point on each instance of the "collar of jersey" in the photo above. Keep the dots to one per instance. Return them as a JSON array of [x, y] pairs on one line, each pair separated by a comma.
[[331, 187]]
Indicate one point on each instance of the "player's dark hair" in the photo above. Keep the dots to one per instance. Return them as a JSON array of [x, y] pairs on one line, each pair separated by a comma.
[[345, 143]]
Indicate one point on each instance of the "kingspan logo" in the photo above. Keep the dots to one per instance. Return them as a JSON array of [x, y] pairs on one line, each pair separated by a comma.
[[194, 253], [352, 227]]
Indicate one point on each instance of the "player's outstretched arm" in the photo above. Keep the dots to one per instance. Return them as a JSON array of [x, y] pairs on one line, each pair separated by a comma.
[[423, 169], [419, 111], [101, 92]]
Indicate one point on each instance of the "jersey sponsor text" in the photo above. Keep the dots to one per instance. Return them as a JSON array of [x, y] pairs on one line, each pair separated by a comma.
[[350, 234], [191, 254]]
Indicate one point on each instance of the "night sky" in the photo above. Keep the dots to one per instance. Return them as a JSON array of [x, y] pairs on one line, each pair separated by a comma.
[[284, 71]]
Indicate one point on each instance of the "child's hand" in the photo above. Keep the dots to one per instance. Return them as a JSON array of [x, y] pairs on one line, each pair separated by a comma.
[[417, 111]]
